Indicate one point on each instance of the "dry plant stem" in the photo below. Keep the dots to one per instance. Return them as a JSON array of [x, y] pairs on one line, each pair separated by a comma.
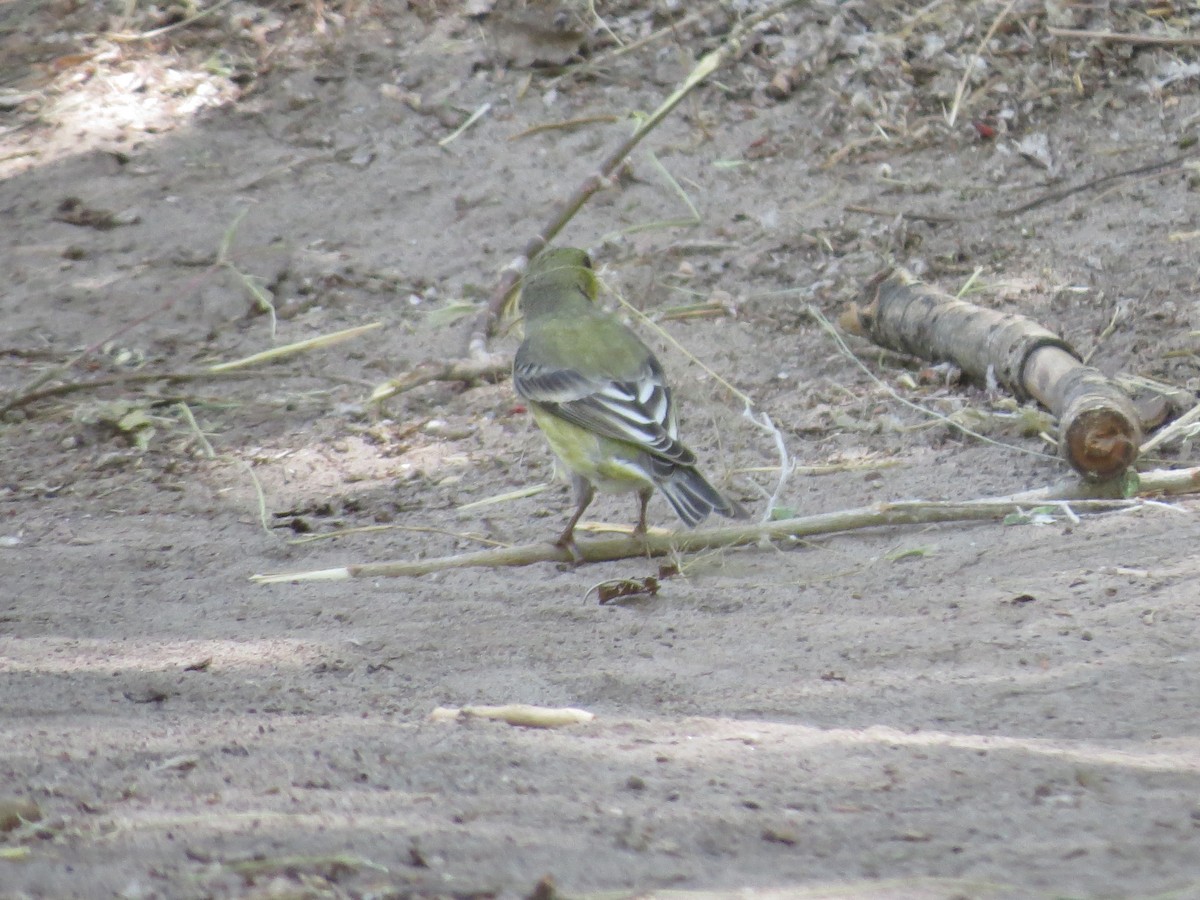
[[932, 218], [488, 366], [275, 353], [1116, 37], [1099, 426], [31, 392], [485, 323], [1156, 168], [961, 90], [852, 323], [1083, 497], [596, 63], [1179, 427], [520, 714], [219, 370], [75, 387], [1055, 196], [174, 26]]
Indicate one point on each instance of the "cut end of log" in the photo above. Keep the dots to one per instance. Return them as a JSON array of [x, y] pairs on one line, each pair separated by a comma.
[[853, 319], [1101, 444]]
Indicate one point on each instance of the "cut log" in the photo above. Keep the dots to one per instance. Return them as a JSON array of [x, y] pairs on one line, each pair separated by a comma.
[[1099, 430]]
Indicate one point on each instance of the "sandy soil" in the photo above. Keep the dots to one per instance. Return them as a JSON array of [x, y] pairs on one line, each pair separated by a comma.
[[955, 711]]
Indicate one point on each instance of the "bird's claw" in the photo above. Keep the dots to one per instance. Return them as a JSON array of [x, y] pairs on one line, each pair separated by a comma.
[[567, 542]]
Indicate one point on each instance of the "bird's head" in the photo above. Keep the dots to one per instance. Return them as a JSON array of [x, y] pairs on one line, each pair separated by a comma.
[[558, 276]]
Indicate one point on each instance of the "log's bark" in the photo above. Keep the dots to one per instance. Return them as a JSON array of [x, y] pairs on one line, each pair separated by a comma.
[[1099, 430]]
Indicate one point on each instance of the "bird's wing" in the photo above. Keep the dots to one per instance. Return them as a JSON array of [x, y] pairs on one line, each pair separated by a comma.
[[637, 411]]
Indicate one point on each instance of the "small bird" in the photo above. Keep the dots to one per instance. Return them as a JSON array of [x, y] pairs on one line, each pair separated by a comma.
[[599, 395]]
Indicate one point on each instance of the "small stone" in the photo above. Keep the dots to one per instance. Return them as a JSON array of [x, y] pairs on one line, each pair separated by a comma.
[[780, 836], [781, 86]]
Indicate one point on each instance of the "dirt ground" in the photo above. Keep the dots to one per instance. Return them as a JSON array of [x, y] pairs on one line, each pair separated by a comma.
[[973, 711]]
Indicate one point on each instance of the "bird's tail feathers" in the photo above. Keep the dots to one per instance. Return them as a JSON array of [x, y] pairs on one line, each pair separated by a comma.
[[693, 498]]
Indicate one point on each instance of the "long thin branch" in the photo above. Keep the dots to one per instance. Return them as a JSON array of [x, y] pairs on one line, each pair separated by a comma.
[[231, 369], [1081, 497], [1091, 184], [123, 380], [33, 391], [485, 323]]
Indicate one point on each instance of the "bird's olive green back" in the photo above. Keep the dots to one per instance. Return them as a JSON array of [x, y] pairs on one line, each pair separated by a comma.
[[564, 328]]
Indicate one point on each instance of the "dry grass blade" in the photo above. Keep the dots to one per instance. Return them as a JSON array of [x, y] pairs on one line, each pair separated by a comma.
[[520, 714], [669, 338], [174, 26], [1115, 37], [264, 517], [566, 125], [598, 62], [961, 90], [519, 494], [324, 340], [471, 120], [186, 412]]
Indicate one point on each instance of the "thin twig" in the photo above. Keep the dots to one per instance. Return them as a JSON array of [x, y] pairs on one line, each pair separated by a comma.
[[32, 391], [186, 412], [1154, 168], [420, 529], [75, 387], [493, 365], [787, 466], [167, 29], [1082, 497], [1117, 37], [961, 90], [603, 59], [218, 371], [1055, 196], [322, 340], [565, 125], [1184, 425], [264, 518], [931, 218], [471, 120]]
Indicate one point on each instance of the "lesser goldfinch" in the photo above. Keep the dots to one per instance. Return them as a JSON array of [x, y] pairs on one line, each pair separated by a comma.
[[599, 395]]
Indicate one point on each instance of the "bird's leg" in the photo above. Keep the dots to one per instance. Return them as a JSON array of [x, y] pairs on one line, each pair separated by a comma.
[[584, 492], [639, 530]]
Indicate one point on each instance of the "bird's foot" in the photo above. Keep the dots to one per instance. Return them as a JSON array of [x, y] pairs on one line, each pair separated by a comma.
[[567, 542]]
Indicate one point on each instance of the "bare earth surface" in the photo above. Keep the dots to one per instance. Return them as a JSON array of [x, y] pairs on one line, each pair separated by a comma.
[[952, 711]]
